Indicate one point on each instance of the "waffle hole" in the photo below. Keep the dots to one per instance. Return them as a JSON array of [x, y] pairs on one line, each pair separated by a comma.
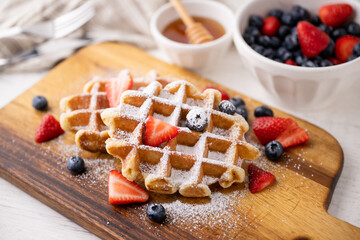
[[195, 102], [220, 121]]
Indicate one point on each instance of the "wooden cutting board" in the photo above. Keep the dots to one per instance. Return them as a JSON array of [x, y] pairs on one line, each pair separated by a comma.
[[293, 208]]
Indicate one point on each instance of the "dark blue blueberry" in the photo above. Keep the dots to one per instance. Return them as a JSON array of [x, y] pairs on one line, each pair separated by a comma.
[[227, 107], [39, 103], [325, 63], [242, 111], [315, 20], [264, 41], [196, 120], [275, 42], [269, 53], [286, 56], [325, 28], [354, 29], [259, 49], [253, 31], [299, 13], [75, 164], [329, 50], [249, 39], [278, 60], [284, 31], [291, 42], [280, 52], [288, 19], [297, 53], [237, 101], [352, 57], [156, 212], [274, 150], [309, 63], [255, 21], [300, 60], [276, 13], [263, 111], [294, 31], [337, 33], [356, 49]]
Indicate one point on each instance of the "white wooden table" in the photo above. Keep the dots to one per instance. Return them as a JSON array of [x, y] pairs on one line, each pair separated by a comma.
[[23, 217]]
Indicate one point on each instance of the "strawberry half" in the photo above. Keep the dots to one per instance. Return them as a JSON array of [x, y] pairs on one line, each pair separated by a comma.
[[48, 129], [334, 15], [267, 129], [344, 47], [115, 86], [271, 26], [291, 62], [258, 178], [122, 191], [224, 95], [335, 61], [158, 132], [312, 40], [293, 135]]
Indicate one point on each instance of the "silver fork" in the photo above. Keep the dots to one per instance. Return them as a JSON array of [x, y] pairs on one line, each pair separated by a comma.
[[58, 27]]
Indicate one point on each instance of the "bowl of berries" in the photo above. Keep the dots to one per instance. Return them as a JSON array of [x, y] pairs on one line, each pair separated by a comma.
[[303, 52]]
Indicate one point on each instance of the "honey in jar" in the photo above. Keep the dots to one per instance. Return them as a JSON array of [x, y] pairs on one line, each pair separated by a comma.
[[176, 30]]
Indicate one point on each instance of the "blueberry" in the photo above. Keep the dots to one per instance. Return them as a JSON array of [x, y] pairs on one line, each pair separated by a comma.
[[284, 31], [354, 29], [352, 57], [300, 60], [196, 119], [264, 41], [315, 20], [253, 31], [249, 39], [297, 53], [263, 111], [255, 21], [275, 42], [286, 56], [276, 13], [299, 13], [227, 107], [269, 53], [75, 164], [273, 150], [329, 50], [237, 102], [325, 28], [337, 33], [291, 42], [280, 52], [325, 63], [309, 63], [39, 103], [278, 60], [242, 111], [259, 49], [356, 49], [156, 212], [288, 19]]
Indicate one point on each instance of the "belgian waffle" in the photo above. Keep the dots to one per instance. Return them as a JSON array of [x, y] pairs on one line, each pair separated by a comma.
[[81, 113], [191, 161]]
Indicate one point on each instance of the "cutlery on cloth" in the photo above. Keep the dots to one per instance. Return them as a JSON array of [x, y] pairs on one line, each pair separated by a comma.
[[56, 28]]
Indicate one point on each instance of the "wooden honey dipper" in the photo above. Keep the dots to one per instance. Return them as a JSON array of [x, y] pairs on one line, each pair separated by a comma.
[[195, 31]]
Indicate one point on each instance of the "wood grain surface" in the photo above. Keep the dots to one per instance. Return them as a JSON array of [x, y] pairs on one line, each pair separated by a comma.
[[293, 208]]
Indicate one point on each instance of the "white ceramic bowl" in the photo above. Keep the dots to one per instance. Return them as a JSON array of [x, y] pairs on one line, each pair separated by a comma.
[[297, 87], [194, 56]]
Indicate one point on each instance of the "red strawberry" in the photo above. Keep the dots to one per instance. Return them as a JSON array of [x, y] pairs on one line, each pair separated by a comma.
[[224, 95], [271, 26], [115, 86], [344, 47], [158, 132], [267, 129], [334, 15], [122, 191], [312, 40], [290, 62], [258, 178], [48, 129], [293, 135], [335, 61]]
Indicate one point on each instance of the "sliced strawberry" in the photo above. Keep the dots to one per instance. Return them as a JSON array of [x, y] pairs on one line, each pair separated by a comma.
[[334, 15], [293, 135], [115, 86], [290, 62], [271, 26], [122, 191], [48, 129], [335, 61], [344, 47], [312, 40], [267, 129], [224, 95], [258, 178], [158, 132]]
